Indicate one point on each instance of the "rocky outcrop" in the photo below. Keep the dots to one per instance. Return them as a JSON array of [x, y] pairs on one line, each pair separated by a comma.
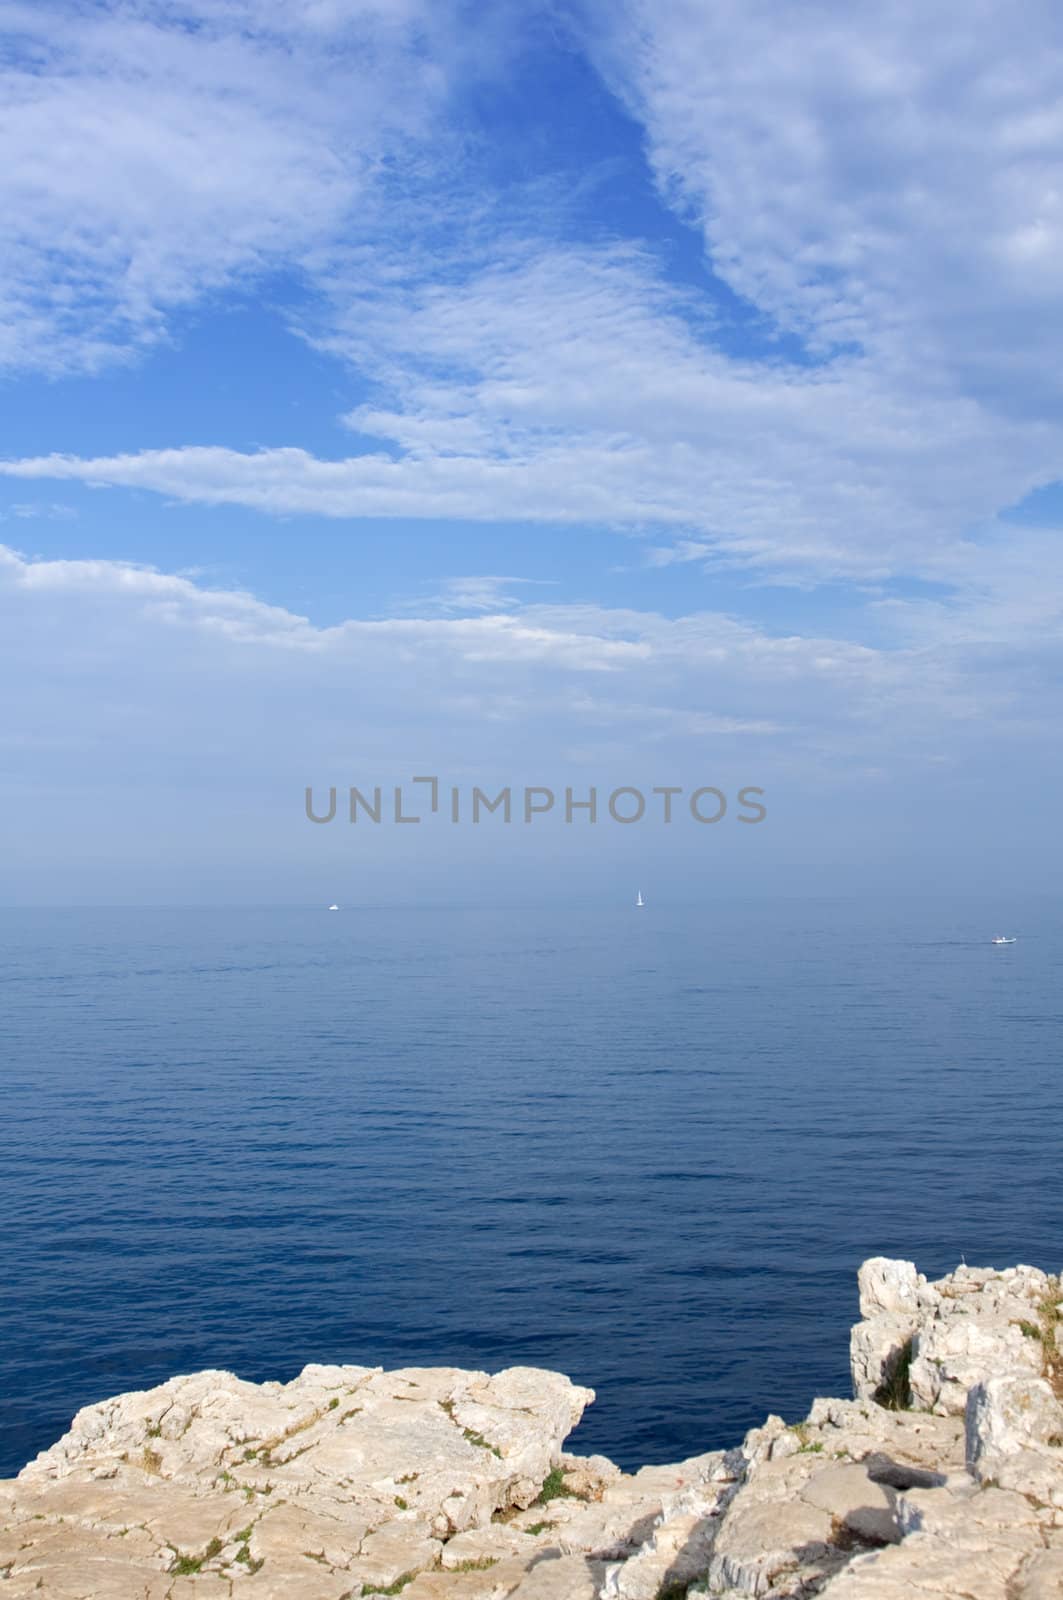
[[940, 1338], [346, 1479], [943, 1477]]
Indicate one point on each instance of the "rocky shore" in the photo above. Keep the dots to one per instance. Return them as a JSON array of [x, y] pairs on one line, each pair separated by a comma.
[[943, 1478]]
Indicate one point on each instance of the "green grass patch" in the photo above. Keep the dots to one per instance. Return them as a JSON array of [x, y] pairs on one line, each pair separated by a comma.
[[554, 1488]]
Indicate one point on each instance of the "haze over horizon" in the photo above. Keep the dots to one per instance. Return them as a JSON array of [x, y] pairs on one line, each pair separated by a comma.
[[630, 395]]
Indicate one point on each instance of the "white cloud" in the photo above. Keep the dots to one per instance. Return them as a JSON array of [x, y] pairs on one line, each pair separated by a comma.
[[149, 156], [886, 179], [556, 671], [163, 732], [474, 593], [886, 188], [38, 510], [579, 394]]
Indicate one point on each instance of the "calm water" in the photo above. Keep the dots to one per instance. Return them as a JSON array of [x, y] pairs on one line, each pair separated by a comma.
[[648, 1149]]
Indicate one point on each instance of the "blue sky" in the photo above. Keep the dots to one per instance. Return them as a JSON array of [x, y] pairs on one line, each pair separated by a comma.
[[571, 393]]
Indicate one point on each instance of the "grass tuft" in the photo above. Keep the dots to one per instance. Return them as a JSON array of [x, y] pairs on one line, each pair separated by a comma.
[[185, 1566], [1051, 1322], [554, 1488], [480, 1442], [244, 1556], [392, 1588], [894, 1393]]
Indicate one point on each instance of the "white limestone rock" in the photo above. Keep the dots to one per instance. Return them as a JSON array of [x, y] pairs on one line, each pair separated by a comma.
[[1015, 1436], [343, 1478], [875, 1349], [971, 1324], [854, 1500], [1010, 1414], [958, 1350], [351, 1480], [893, 1286]]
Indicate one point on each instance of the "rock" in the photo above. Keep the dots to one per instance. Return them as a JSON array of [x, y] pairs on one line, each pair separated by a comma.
[[553, 1576], [351, 1481], [972, 1323], [892, 1286], [492, 1583], [763, 1539], [498, 1541], [1015, 1436], [674, 1557], [955, 1542], [876, 1350], [955, 1351], [1042, 1577], [346, 1477], [854, 1500], [905, 1440], [1007, 1415]]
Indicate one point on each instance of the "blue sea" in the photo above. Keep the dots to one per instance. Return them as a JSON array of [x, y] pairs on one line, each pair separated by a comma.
[[647, 1148]]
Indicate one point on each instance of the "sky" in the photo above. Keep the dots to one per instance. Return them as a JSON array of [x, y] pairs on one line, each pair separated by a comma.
[[571, 395]]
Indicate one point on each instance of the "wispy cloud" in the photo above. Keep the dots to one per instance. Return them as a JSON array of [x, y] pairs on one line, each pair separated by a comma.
[[694, 676], [38, 510], [885, 191], [454, 596], [570, 388], [151, 155], [874, 180]]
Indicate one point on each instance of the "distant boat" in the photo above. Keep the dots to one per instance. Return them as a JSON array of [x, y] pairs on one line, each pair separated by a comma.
[[1002, 939], [639, 901], [334, 908]]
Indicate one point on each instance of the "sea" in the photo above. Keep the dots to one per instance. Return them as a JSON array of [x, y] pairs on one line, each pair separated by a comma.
[[648, 1148]]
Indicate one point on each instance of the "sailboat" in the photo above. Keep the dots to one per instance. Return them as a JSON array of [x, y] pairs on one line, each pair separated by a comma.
[[639, 901]]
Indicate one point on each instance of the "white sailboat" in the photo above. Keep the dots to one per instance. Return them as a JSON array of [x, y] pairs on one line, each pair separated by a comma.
[[639, 901]]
